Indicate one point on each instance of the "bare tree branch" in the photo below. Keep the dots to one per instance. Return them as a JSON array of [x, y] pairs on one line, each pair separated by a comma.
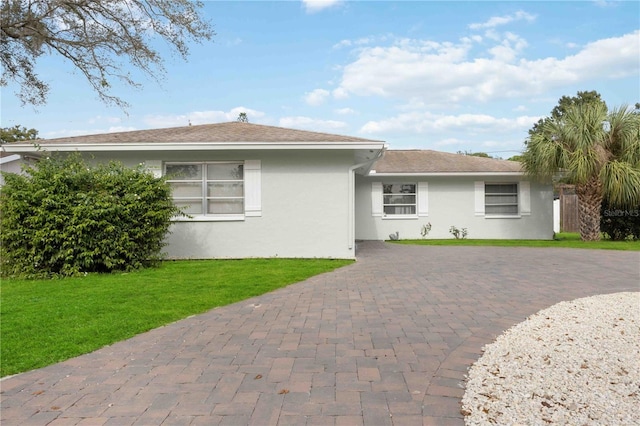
[[98, 37]]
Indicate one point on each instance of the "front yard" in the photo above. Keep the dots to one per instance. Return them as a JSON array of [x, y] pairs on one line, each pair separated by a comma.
[[47, 321]]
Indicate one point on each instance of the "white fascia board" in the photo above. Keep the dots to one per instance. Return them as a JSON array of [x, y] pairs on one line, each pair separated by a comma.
[[439, 174], [193, 146]]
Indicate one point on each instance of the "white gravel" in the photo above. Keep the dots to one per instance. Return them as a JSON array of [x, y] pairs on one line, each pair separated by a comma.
[[575, 363]]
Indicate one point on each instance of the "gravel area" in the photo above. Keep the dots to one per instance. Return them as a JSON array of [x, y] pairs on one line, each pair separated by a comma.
[[575, 363]]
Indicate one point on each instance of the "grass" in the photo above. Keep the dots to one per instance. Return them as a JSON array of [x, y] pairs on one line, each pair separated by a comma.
[[563, 239], [47, 321]]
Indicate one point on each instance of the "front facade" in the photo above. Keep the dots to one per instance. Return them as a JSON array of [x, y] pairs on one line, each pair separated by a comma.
[[249, 190], [263, 191], [491, 199]]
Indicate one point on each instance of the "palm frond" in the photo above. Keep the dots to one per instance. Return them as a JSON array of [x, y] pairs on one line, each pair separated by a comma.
[[621, 183], [624, 134]]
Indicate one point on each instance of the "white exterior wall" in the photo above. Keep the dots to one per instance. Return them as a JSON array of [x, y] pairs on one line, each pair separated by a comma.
[[451, 202], [304, 197]]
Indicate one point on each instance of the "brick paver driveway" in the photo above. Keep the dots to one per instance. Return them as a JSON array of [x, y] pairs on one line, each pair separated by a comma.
[[384, 341]]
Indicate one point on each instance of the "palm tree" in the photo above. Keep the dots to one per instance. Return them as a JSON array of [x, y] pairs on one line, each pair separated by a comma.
[[596, 150]]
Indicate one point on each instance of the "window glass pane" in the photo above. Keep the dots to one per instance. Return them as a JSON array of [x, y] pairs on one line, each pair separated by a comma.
[[400, 210], [184, 171], [186, 189], [191, 206], [399, 188], [501, 199], [225, 207], [220, 189], [399, 199], [501, 210], [508, 188], [224, 171]]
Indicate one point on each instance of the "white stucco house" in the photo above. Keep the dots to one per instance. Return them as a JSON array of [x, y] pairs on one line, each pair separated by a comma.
[[264, 191], [490, 198]]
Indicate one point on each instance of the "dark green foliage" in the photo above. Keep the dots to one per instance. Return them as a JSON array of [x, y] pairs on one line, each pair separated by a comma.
[[65, 218], [564, 104], [620, 223], [475, 154]]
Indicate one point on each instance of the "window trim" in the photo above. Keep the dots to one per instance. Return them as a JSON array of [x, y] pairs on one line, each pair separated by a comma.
[[414, 204], [377, 200], [518, 202], [204, 197]]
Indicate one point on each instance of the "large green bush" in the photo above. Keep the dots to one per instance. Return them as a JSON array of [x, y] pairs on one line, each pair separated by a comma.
[[65, 218], [620, 223]]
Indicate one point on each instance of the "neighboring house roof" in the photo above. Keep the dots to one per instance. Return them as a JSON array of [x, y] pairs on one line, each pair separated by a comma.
[[425, 162]]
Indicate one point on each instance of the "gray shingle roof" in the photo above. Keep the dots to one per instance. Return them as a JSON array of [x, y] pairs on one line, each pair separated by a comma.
[[427, 161], [218, 132]]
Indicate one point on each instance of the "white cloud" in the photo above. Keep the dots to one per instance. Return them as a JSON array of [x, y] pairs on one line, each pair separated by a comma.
[[497, 21], [520, 108], [450, 142], [313, 6], [446, 73], [344, 111], [316, 97], [340, 93], [307, 123], [420, 122], [235, 42], [343, 43], [614, 57], [509, 48], [358, 42], [201, 117]]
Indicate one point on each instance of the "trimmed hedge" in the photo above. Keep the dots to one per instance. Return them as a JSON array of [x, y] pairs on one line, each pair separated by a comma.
[[65, 218]]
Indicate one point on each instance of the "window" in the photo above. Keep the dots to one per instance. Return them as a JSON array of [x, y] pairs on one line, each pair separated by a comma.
[[501, 199], [208, 189], [399, 199]]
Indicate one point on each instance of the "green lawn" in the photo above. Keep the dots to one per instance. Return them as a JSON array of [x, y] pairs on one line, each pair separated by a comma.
[[564, 239], [46, 321]]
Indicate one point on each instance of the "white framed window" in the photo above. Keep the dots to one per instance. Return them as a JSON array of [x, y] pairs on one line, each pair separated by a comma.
[[208, 189], [399, 199], [501, 199]]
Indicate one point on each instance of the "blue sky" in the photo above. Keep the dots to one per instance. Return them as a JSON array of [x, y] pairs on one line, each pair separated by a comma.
[[450, 76]]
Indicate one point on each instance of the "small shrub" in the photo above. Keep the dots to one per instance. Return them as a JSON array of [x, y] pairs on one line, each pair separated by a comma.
[[64, 218], [424, 231], [458, 234]]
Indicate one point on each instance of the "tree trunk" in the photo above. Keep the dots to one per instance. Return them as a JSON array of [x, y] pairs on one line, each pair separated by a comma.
[[589, 204]]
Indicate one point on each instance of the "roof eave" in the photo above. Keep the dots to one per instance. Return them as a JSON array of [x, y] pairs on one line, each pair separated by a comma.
[[448, 174]]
